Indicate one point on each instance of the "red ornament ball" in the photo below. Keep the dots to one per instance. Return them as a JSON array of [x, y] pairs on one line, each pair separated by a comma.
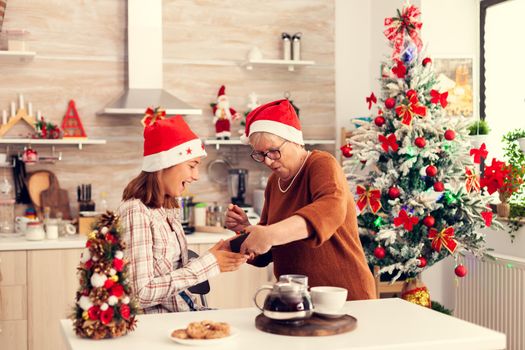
[[420, 142], [429, 221], [439, 187], [450, 135], [346, 150], [460, 270], [431, 171], [379, 252], [379, 121], [426, 61], [390, 103], [393, 192], [422, 262]]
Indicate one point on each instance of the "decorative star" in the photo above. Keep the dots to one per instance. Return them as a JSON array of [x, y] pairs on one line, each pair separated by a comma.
[[188, 151]]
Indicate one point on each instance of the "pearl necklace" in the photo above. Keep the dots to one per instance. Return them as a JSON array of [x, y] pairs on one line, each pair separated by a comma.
[[293, 179]]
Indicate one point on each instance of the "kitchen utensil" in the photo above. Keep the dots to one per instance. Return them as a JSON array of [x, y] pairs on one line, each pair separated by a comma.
[[56, 199], [19, 178], [314, 326], [218, 171], [237, 182], [186, 205], [37, 182], [288, 301]]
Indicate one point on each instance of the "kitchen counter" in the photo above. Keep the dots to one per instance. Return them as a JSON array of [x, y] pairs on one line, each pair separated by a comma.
[[79, 241], [392, 324]]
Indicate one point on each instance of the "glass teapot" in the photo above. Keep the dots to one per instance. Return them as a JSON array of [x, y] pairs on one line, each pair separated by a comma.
[[288, 300]]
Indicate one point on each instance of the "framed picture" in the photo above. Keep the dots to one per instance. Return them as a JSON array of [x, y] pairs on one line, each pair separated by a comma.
[[455, 75]]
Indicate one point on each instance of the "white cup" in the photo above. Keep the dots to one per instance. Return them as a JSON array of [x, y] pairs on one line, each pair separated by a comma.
[[328, 299], [3, 158], [52, 230]]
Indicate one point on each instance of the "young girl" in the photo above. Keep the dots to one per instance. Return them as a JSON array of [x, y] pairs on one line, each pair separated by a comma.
[[160, 272]]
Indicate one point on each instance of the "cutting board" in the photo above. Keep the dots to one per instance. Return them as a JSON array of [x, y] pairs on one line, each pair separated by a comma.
[[37, 182], [314, 326], [56, 199]]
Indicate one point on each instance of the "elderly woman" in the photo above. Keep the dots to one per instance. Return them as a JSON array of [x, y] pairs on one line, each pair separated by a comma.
[[308, 222]]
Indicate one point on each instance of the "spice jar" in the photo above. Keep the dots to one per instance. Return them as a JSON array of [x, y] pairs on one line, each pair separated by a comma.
[[35, 231]]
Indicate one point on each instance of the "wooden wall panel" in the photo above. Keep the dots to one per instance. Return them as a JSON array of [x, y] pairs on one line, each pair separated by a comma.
[[81, 55]]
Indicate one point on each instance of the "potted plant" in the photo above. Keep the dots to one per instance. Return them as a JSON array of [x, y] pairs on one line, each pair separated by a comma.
[[478, 132], [519, 136], [513, 188]]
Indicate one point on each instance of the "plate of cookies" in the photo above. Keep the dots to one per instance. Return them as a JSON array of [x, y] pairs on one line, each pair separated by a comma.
[[204, 333]]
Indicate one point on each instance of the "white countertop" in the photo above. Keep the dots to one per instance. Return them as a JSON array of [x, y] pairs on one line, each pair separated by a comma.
[[79, 241], [392, 324]]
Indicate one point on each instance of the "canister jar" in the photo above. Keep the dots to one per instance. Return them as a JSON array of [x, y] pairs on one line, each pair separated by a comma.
[[35, 231]]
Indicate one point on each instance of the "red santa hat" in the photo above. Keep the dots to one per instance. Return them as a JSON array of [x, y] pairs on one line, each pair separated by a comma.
[[222, 91], [168, 142], [278, 118]]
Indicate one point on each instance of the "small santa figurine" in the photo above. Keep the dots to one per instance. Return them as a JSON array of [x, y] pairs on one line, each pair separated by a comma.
[[223, 115]]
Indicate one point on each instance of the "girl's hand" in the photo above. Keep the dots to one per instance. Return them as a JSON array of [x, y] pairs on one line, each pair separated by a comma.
[[227, 260]]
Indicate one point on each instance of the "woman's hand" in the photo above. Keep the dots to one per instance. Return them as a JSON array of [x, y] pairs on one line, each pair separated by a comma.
[[227, 260], [258, 242], [236, 218]]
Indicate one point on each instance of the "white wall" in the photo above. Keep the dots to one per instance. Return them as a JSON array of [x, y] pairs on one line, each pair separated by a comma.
[[361, 46]]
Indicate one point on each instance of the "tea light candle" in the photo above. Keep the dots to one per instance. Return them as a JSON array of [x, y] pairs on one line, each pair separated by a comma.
[[21, 101], [4, 117], [30, 108], [38, 114], [13, 109]]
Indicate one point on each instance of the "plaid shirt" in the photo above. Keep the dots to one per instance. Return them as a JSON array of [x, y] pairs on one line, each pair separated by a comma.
[[157, 250]]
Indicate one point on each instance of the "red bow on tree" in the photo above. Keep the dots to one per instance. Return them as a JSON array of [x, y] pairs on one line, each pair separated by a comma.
[[368, 197], [406, 111], [405, 21], [472, 180], [445, 238], [437, 97], [400, 70], [152, 116], [388, 141], [370, 100], [479, 153], [408, 221]]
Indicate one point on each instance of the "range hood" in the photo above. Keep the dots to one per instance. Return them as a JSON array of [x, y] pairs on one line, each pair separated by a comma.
[[145, 65]]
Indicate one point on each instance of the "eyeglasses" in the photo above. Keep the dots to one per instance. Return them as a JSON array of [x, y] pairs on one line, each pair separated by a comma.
[[272, 154]]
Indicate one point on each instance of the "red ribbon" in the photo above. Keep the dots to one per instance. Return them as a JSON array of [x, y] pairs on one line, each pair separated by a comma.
[[406, 21], [472, 181], [368, 197], [407, 111], [437, 97], [400, 70], [408, 221], [388, 141], [370, 100], [479, 153], [152, 116], [445, 238]]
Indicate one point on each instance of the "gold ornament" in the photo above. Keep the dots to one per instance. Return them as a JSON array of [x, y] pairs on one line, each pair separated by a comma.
[[415, 291], [85, 315]]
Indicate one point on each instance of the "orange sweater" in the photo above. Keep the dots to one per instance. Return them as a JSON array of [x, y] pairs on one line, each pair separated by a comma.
[[332, 255]]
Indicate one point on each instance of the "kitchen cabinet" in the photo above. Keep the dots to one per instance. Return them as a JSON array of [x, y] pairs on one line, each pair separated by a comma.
[[13, 300], [52, 284]]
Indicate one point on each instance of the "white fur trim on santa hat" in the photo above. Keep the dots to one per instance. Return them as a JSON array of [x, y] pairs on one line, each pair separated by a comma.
[[176, 155], [287, 132]]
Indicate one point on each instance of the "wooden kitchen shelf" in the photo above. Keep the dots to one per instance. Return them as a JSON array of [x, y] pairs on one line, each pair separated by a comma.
[[231, 142], [291, 64], [53, 142], [23, 56]]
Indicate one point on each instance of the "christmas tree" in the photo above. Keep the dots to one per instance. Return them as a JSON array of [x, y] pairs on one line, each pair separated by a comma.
[[104, 308], [419, 196]]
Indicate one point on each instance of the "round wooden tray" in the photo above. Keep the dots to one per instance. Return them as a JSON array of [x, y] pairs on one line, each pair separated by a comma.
[[314, 326]]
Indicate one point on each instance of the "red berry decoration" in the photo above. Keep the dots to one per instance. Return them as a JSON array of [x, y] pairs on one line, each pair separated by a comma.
[[379, 121], [450, 135], [346, 150], [439, 187], [426, 61], [431, 171], [420, 142], [429, 221], [379, 252], [390, 103], [422, 262], [460, 270], [393, 192]]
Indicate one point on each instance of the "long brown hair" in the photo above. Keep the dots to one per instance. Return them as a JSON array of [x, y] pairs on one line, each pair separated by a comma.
[[146, 187]]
